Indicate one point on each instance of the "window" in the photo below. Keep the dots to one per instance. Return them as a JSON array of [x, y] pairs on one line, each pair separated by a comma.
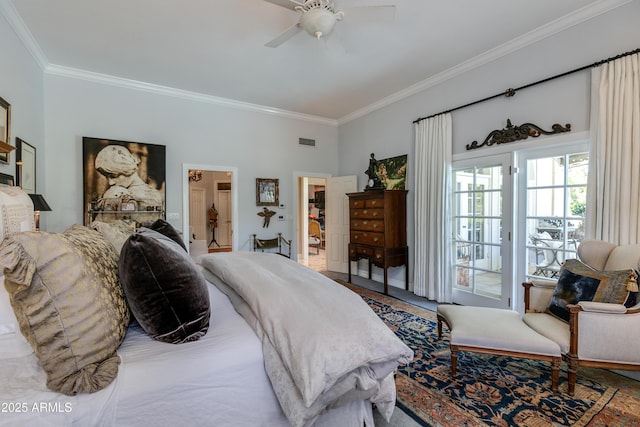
[[556, 195]]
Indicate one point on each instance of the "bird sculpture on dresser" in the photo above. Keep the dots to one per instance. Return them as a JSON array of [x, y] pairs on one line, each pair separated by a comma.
[[266, 214]]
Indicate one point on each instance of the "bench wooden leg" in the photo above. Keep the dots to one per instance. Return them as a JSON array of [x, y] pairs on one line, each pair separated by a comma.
[[454, 360]]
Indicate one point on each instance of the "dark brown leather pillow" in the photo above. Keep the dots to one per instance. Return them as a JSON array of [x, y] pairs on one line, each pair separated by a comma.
[[164, 287]]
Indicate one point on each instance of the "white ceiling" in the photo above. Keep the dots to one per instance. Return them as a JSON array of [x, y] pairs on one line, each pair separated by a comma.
[[216, 47]]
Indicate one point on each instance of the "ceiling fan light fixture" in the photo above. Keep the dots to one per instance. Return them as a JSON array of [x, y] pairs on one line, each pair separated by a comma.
[[319, 21]]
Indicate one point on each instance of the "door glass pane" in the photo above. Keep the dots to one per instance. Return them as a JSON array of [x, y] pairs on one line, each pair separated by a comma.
[[477, 225], [556, 203]]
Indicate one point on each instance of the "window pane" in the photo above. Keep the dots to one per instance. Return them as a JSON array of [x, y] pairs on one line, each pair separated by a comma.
[[546, 202]]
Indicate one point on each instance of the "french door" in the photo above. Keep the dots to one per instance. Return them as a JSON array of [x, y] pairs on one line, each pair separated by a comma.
[[482, 212]]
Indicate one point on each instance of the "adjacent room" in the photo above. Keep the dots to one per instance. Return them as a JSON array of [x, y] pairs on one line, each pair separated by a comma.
[[320, 213]]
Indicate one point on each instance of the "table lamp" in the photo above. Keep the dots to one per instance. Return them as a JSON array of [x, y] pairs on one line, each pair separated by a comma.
[[39, 204]]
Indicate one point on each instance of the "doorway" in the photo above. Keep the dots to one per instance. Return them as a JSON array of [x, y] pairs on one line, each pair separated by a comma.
[[209, 208]]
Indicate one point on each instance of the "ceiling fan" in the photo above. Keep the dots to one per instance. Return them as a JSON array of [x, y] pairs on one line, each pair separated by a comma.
[[319, 17]]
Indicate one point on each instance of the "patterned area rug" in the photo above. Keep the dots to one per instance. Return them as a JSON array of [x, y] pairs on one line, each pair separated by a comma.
[[495, 390]]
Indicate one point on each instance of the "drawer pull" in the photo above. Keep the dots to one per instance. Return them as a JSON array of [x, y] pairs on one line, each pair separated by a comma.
[[375, 239], [365, 211], [375, 214]]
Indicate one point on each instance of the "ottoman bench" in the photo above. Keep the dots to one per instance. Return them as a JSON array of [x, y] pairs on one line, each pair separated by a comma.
[[496, 331]]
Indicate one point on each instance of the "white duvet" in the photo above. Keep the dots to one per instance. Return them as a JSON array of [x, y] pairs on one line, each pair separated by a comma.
[[323, 346]]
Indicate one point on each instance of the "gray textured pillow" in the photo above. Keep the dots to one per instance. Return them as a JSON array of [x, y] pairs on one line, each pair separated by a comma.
[[66, 296], [164, 287]]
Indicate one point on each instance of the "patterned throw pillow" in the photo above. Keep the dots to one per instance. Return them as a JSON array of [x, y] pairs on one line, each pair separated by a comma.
[[579, 282], [66, 296], [116, 232], [164, 288], [16, 212]]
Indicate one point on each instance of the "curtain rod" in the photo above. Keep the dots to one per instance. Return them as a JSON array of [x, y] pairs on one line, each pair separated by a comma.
[[511, 92]]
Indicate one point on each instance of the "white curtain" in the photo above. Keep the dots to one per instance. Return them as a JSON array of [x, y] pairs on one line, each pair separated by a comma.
[[613, 209], [432, 271]]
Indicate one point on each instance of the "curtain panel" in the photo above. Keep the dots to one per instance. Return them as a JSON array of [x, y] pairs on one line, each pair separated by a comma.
[[613, 200], [432, 271]]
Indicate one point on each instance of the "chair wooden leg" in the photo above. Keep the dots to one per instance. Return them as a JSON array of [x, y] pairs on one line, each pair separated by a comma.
[[555, 373], [572, 374]]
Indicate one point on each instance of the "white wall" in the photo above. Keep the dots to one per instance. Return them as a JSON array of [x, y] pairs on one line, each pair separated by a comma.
[[21, 85], [259, 145], [389, 131]]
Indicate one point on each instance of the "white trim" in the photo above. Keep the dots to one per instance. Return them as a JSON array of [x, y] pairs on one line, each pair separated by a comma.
[[234, 198], [581, 15], [22, 31], [75, 73]]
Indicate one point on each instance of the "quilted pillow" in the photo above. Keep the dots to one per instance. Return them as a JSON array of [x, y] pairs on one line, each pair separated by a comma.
[[579, 282], [69, 304], [116, 232], [165, 289], [163, 227]]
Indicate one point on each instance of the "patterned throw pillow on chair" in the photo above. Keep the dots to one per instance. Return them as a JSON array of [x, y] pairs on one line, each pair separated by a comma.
[[579, 282]]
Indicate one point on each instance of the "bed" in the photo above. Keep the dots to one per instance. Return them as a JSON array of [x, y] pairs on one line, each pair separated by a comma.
[[227, 377]]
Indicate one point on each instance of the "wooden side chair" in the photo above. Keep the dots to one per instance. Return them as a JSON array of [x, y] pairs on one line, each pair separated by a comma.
[[279, 243]]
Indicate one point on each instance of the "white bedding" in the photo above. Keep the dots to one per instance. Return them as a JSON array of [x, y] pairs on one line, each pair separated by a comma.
[[218, 380], [323, 346]]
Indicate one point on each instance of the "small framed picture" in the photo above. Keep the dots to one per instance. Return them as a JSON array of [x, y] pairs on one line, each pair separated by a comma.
[[25, 166], [267, 192], [5, 122]]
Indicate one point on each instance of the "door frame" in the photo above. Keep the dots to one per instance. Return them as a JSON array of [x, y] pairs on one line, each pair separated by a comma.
[[506, 299], [302, 210], [234, 197]]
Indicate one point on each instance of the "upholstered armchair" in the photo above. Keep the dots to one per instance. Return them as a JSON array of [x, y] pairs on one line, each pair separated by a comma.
[[597, 334]]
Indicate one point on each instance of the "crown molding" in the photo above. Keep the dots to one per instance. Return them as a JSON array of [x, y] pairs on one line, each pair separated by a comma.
[[90, 76], [22, 31], [588, 12], [581, 15]]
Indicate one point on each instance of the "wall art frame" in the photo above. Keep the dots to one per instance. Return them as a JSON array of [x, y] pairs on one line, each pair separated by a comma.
[[267, 192], [26, 166], [6, 180], [5, 129], [392, 172], [116, 172]]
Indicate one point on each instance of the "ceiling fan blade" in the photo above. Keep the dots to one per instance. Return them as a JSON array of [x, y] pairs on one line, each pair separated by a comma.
[[289, 4], [292, 31], [370, 13]]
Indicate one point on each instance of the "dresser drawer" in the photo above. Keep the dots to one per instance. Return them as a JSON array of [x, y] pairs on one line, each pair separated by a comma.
[[376, 225], [356, 251], [374, 203], [367, 238], [367, 213]]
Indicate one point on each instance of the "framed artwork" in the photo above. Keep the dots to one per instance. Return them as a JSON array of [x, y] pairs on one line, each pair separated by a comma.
[[6, 180], [5, 131], [393, 172], [25, 166], [267, 192], [123, 176]]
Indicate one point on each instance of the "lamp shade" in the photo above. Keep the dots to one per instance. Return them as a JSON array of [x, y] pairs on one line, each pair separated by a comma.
[[39, 203]]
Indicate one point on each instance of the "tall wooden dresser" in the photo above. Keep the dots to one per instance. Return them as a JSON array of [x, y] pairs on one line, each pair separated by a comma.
[[378, 230]]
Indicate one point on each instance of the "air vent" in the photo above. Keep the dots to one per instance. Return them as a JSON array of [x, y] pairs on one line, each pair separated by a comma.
[[307, 142]]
